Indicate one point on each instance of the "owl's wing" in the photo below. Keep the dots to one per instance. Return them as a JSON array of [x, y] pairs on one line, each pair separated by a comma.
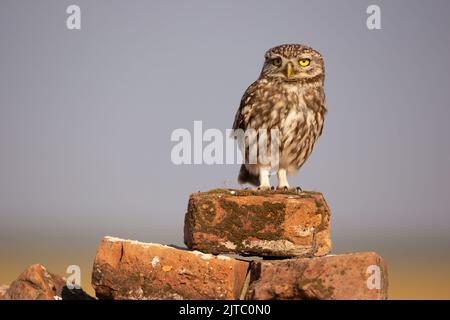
[[245, 107], [315, 100]]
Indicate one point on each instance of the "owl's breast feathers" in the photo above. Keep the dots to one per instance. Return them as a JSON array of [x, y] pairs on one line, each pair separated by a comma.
[[273, 104], [296, 109]]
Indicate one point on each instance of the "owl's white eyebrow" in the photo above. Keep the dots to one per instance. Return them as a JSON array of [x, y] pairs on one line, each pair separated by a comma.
[[273, 57]]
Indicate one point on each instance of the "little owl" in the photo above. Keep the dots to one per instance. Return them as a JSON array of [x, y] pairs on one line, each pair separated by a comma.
[[288, 97]]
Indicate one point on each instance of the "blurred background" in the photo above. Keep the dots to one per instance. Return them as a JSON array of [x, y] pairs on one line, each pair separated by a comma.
[[86, 118]]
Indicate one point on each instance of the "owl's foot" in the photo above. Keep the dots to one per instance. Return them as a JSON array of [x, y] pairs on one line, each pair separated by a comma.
[[283, 184], [289, 189], [264, 188], [264, 182]]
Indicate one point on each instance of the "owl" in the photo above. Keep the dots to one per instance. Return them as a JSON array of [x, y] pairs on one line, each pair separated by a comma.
[[288, 97]]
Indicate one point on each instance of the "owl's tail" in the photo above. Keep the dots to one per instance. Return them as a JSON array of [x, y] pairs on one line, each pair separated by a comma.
[[246, 176]]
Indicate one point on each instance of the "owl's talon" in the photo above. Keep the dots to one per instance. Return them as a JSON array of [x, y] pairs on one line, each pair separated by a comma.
[[299, 190]]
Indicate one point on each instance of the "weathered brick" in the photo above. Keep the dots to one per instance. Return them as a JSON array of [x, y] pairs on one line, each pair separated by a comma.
[[3, 289], [262, 223], [355, 276], [125, 269], [35, 283]]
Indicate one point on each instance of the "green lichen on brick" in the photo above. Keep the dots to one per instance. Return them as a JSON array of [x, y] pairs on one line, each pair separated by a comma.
[[237, 225], [259, 215], [214, 247], [232, 226], [208, 209], [253, 192], [319, 287], [323, 211], [318, 203]]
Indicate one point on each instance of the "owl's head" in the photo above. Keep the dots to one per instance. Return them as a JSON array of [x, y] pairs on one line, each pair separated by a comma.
[[293, 62]]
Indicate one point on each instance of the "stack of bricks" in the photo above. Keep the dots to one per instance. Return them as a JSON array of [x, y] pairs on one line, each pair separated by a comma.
[[242, 244]]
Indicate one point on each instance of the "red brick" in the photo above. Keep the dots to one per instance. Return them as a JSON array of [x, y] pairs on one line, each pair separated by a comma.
[[333, 277], [125, 269], [3, 290], [262, 223], [35, 283]]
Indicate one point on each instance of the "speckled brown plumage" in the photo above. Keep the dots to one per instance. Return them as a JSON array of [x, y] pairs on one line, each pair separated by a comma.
[[288, 96]]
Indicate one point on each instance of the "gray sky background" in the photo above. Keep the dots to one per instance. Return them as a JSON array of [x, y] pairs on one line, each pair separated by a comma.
[[86, 116]]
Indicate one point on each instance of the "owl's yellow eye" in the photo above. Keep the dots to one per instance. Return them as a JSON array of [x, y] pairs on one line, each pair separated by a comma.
[[304, 62], [276, 62]]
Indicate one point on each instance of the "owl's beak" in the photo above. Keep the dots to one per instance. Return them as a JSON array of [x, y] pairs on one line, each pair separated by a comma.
[[289, 70]]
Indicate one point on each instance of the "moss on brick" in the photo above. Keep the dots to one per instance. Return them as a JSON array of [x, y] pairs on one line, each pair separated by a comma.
[[232, 225], [220, 215], [253, 192], [318, 285]]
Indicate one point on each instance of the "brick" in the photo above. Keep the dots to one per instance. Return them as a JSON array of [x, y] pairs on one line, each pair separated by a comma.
[[355, 276], [3, 290], [35, 283], [260, 223], [126, 269]]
